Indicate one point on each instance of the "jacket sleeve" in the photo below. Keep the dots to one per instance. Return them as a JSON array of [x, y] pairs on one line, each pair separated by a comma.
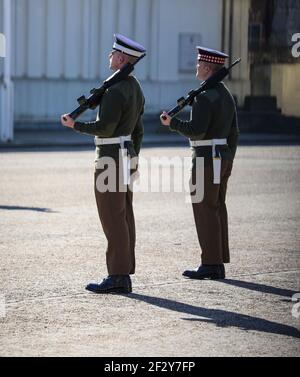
[[108, 116], [233, 136], [138, 133], [200, 118]]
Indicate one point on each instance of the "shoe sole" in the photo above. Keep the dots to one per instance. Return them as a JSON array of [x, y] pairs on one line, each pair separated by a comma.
[[212, 277], [113, 290]]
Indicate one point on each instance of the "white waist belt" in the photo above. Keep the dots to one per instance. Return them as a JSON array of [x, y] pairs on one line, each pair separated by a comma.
[[216, 159], [125, 160], [205, 143], [112, 140]]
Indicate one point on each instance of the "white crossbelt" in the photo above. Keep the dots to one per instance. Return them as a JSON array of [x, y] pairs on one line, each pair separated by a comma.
[[216, 159], [124, 154]]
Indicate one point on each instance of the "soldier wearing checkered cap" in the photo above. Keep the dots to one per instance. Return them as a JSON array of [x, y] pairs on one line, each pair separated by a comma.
[[118, 132], [213, 133]]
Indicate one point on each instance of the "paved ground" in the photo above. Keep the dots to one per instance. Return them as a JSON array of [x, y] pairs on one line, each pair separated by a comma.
[[64, 137], [51, 245]]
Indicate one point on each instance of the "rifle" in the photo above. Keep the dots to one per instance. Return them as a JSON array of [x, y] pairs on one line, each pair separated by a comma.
[[96, 93], [209, 83]]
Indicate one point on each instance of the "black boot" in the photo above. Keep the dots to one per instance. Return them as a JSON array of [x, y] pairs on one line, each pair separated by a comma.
[[112, 284], [222, 270], [205, 271]]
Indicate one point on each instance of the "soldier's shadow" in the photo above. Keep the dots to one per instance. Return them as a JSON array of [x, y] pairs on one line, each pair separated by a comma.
[[259, 287], [220, 317], [21, 208]]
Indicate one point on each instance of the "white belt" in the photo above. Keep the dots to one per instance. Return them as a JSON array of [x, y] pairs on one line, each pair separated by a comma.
[[112, 140], [125, 160], [216, 159]]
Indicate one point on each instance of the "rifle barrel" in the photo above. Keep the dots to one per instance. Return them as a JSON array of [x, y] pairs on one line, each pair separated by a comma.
[[234, 63]]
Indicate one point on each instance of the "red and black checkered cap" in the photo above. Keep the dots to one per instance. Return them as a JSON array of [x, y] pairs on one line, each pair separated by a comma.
[[211, 56]]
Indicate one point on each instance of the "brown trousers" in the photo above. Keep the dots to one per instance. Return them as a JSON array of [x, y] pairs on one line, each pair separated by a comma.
[[211, 217], [117, 219]]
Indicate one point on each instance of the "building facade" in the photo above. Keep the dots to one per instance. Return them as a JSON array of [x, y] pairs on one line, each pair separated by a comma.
[[274, 52], [59, 49]]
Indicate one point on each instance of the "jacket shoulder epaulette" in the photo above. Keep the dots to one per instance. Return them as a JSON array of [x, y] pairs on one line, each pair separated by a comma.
[[211, 95]]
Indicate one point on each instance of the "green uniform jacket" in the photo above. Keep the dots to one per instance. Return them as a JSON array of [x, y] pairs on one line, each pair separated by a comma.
[[120, 114], [213, 116]]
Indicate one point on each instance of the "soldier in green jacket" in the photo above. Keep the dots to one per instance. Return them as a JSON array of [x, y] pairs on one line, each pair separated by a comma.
[[213, 133], [118, 132]]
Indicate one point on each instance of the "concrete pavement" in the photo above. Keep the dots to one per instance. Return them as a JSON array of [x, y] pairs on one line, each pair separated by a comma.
[[51, 245], [69, 138]]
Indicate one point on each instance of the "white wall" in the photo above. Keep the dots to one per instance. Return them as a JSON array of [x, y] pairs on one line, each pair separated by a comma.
[[60, 49], [71, 38], [1, 31]]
